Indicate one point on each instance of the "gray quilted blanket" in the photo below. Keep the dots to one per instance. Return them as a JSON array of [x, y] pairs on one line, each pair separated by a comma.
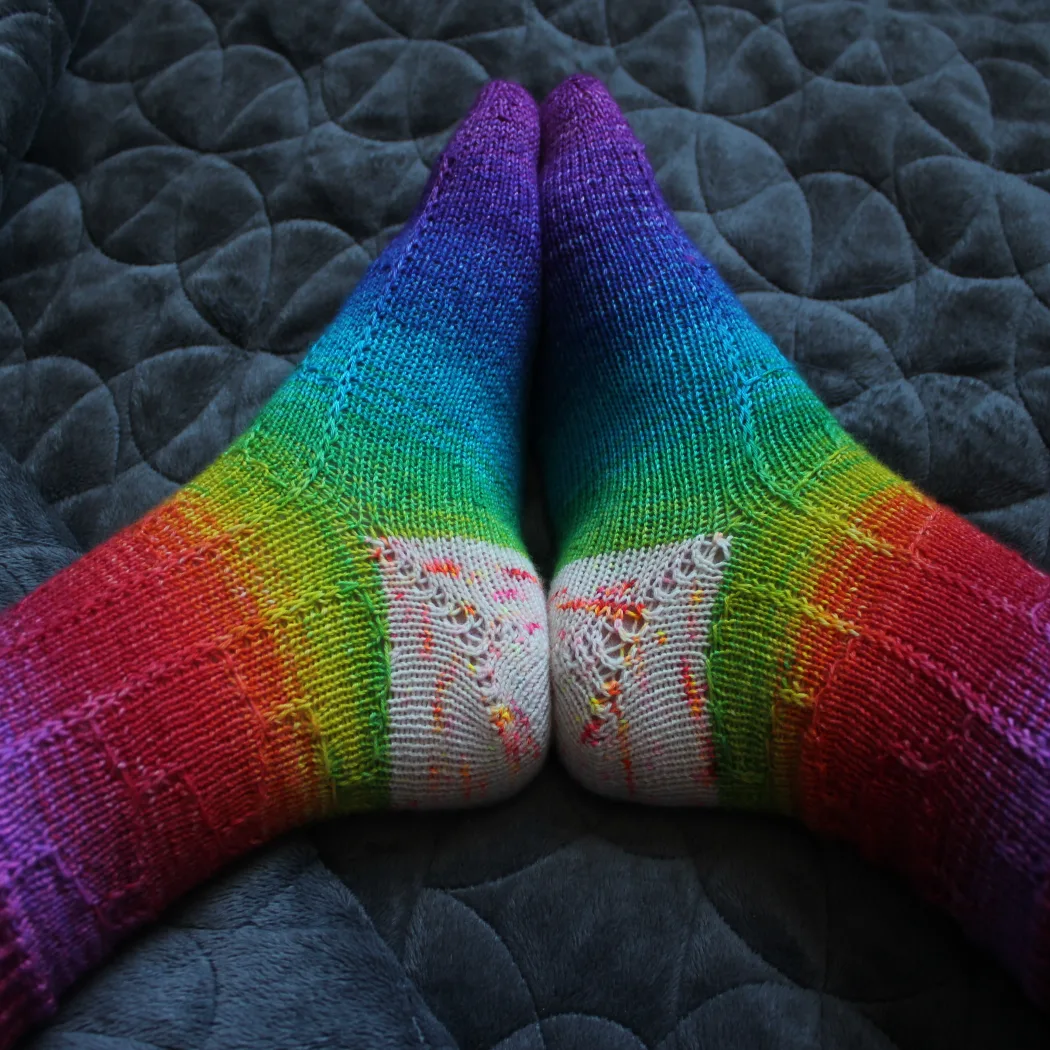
[[191, 187]]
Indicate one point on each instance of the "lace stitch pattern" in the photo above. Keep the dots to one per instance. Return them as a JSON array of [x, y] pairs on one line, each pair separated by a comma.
[[629, 668], [468, 641]]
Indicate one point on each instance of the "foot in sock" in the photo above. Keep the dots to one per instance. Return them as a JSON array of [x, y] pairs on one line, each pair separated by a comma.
[[337, 615], [751, 611]]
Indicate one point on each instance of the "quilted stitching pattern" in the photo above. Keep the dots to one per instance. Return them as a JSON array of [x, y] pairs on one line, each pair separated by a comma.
[[196, 981], [213, 176], [563, 920], [556, 922], [209, 179], [35, 40], [34, 544]]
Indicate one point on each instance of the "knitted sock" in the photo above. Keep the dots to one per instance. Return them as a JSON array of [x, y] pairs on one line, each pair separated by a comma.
[[751, 611], [337, 615]]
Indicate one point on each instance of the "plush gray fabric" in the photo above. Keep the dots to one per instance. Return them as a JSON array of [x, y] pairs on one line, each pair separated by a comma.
[[34, 544], [207, 181], [35, 41], [280, 954]]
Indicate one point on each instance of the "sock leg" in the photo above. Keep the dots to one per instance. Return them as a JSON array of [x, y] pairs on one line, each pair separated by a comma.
[[751, 611], [337, 614]]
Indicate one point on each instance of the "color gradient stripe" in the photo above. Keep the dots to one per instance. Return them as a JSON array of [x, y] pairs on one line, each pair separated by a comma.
[[338, 614], [872, 664]]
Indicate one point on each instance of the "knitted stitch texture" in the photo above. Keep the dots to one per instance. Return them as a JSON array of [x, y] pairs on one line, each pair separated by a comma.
[[751, 611], [338, 614]]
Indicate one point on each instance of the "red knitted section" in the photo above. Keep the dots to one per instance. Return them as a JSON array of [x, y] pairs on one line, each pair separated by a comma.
[[927, 741], [135, 773]]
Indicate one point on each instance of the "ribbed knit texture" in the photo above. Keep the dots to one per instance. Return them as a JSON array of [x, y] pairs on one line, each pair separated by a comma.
[[749, 609], [337, 615]]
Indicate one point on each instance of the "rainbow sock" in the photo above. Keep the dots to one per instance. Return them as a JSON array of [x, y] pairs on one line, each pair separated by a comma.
[[751, 611], [337, 615]]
